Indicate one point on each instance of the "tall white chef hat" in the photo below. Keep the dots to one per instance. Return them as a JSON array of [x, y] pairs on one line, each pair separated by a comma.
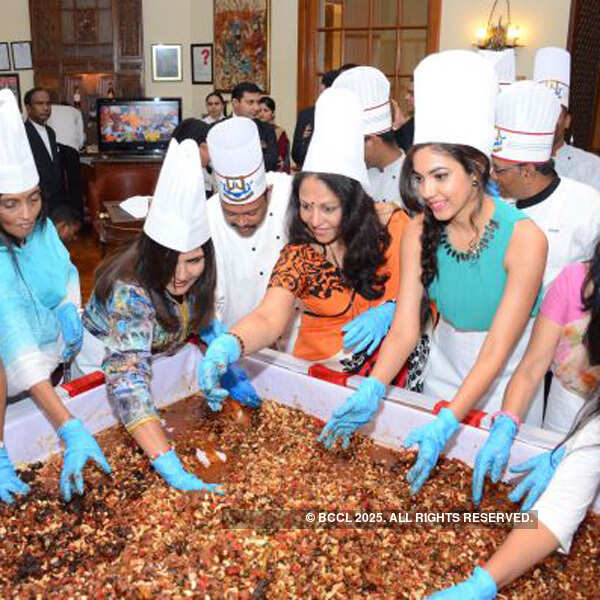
[[177, 217], [237, 159], [505, 64], [455, 100], [337, 145], [552, 67], [526, 116], [18, 172], [373, 90]]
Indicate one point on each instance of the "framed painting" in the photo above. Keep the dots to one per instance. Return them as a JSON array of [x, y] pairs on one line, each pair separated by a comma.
[[166, 62], [4, 58], [202, 63], [11, 81], [241, 40]]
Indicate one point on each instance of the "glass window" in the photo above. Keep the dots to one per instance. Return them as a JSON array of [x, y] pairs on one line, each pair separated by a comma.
[[383, 50], [385, 13], [356, 46]]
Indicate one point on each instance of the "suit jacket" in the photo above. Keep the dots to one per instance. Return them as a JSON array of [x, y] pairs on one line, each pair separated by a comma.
[[405, 134], [49, 170], [300, 144]]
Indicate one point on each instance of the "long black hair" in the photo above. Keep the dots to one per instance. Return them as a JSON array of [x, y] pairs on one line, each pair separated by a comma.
[[9, 241], [477, 165], [152, 266], [364, 237]]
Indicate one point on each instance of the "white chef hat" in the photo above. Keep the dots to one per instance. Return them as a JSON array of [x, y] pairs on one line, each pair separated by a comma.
[[504, 63], [552, 67], [526, 116], [455, 100], [177, 217], [373, 90], [237, 159], [18, 172], [337, 145]]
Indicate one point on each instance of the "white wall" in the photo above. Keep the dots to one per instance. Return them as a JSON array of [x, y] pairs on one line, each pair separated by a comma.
[[542, 23], [14, 27]]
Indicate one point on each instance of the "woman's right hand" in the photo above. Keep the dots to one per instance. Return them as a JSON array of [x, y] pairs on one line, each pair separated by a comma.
[[9, 480], [221, 353], [169, 467], [480, 586]]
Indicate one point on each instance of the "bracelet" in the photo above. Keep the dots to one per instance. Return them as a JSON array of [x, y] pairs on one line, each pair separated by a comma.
[[240, 342], [505, 413], [153, 457]]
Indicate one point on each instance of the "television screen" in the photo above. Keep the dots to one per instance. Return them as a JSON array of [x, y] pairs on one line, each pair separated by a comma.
[[142, 125]]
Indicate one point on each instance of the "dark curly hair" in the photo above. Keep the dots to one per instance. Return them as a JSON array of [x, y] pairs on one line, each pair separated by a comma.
[[476, 164], [365, 238]]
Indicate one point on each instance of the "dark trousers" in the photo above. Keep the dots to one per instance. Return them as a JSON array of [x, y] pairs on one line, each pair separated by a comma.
[[72, 177]]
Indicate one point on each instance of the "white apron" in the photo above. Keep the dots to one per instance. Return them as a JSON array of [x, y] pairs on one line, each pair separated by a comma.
[[452, 356], [562, 408]]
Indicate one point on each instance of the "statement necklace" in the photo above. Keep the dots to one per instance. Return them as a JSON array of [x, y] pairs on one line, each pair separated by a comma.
[[476, 245]]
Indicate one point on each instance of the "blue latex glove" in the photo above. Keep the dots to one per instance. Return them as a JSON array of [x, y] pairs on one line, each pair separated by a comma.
[[367, 330], [353, 414], [541, 469], [480, 586], [169, 467], [71, 329], [9, 480], [492, 189], [80, 447], [210, 333], [494, 454], [236, 382], [431, 439], [220, 354]]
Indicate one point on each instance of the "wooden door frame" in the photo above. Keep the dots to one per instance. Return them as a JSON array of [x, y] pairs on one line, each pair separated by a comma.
[[308, 15]]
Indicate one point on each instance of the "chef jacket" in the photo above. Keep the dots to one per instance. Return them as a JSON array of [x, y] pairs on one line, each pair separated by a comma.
[[578, 164]]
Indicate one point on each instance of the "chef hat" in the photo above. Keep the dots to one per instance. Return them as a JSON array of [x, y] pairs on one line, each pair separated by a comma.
[[552, 67], [455, 99], [373, 90], [526, 116], [337, 145], [504, 63], [18, 172], [237, 159], [177, 217]]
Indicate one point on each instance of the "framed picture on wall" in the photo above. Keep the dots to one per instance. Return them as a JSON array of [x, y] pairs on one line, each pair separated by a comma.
[[202, 63], [4, 57], [11, 81], [242, 40], [21, 55], [166, 62]]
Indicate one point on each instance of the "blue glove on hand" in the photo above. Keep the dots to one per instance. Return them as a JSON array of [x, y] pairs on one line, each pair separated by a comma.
[[542, 469], [210, 333], [80, 447], [9, 480], [221, 353], [494, 454], [492, 189], [353, 414], [480, 586], [236, 382], [431, 439], [71, 329], [169, 467], [367, 330]]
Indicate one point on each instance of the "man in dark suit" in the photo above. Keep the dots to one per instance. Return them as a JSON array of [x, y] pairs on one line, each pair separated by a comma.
[[245, 100], [42, 140]]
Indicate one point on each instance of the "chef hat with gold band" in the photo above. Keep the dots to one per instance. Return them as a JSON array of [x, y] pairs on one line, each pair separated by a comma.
[[526, 116], [373, 90], [177, 217], [552, 67], [337, 145], [237, 159], [18, 172], [504, 63], [455, 100]]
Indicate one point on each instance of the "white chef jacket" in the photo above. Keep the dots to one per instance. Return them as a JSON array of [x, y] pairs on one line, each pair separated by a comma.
[[68, 126], [571, 491], [244, 264], [578, 164], [570, 218], [385, 184]]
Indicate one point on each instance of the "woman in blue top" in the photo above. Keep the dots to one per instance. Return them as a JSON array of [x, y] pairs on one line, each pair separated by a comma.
[[39, 322], [480, 259]]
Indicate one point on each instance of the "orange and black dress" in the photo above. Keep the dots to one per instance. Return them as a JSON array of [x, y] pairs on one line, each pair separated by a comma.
[[328, 305]]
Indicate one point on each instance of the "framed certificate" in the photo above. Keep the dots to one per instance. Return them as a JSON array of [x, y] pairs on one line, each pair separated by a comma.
[[21, 55]]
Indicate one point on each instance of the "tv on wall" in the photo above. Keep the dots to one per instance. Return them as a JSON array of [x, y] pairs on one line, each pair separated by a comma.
[[137, 126]]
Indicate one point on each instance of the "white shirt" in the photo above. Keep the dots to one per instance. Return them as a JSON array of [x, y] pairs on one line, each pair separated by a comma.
[[67, 123], [210, 120], [244, 264], [571, 491], [570, 218], [385, 184], [43, 133], [578, 164]]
